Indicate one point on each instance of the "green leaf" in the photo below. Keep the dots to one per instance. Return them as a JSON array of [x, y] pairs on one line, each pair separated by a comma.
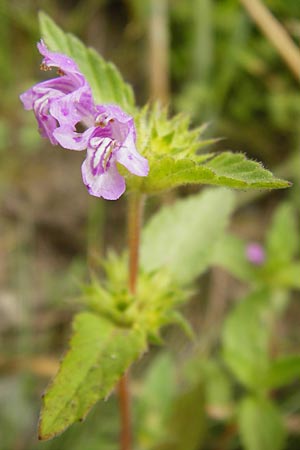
[[246, 339], [99, 354], [172, 151], [283, 371], [104, 78], [182, 237], [288, 276], [230, 253], [155, 402], [218, 387], [227, 169], [235, 170], [281, 250], [185, 429], [260, 425]]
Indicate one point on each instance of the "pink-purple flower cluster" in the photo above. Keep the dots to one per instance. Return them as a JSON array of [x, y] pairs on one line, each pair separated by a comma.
[[62, 103], [255, 254]]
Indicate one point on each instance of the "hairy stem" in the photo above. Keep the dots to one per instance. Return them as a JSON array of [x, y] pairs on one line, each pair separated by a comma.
[[125, 413], [135, 209]]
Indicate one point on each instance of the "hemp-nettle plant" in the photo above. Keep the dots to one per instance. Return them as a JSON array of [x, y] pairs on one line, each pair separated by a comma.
[[88, 106]]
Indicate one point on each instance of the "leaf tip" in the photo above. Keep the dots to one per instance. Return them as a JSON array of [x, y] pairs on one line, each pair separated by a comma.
[[42, 16]]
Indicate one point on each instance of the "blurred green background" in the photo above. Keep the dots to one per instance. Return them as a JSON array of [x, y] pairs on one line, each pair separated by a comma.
[[204, 57]]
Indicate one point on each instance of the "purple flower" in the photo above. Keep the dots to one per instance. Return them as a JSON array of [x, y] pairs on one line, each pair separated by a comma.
[[255, 254], [110, 141], [62, 101]]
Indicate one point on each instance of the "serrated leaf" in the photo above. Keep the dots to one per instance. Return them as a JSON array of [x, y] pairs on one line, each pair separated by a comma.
[[260, 425], [241, 172], [182, 237], [227, 169], [104, 78], [246, 339], [99, 354], [166, 173], [283, 371]]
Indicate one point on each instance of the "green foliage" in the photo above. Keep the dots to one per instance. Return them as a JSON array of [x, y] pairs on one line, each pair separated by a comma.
[[105, 80], [246, 349], [170, 415], [153, 307], [178, 244], [107, 340], [218, 75], [182, 237], [248, 330], [161, 135], [230, 253], [218, 386], [280, 270], [246, 339], [110, 298], [281, 250], [185, 428], [99, 354], [283, 371], [154, 404], [288, 276], [234, 170], [260, 425], [171, 150]]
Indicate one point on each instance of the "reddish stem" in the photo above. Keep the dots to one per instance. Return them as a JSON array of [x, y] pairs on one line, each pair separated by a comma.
[[125, 413], [136, 204], [135, 208]]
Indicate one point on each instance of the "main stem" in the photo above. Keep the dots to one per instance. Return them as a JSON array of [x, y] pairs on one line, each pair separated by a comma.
[[135, 208]]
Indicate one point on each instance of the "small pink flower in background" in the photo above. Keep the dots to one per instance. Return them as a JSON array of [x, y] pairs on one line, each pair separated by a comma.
[[255, 254], [62, 103]]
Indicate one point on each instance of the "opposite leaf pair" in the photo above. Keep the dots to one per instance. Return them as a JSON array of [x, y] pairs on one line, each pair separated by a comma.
[[61, 103]]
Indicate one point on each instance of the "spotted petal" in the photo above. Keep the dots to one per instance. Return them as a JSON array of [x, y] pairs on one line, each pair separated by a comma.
[[110, 184], [70, 139]]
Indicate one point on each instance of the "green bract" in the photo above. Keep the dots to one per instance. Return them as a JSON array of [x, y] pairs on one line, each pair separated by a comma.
[[106, 340], [172, 151]]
